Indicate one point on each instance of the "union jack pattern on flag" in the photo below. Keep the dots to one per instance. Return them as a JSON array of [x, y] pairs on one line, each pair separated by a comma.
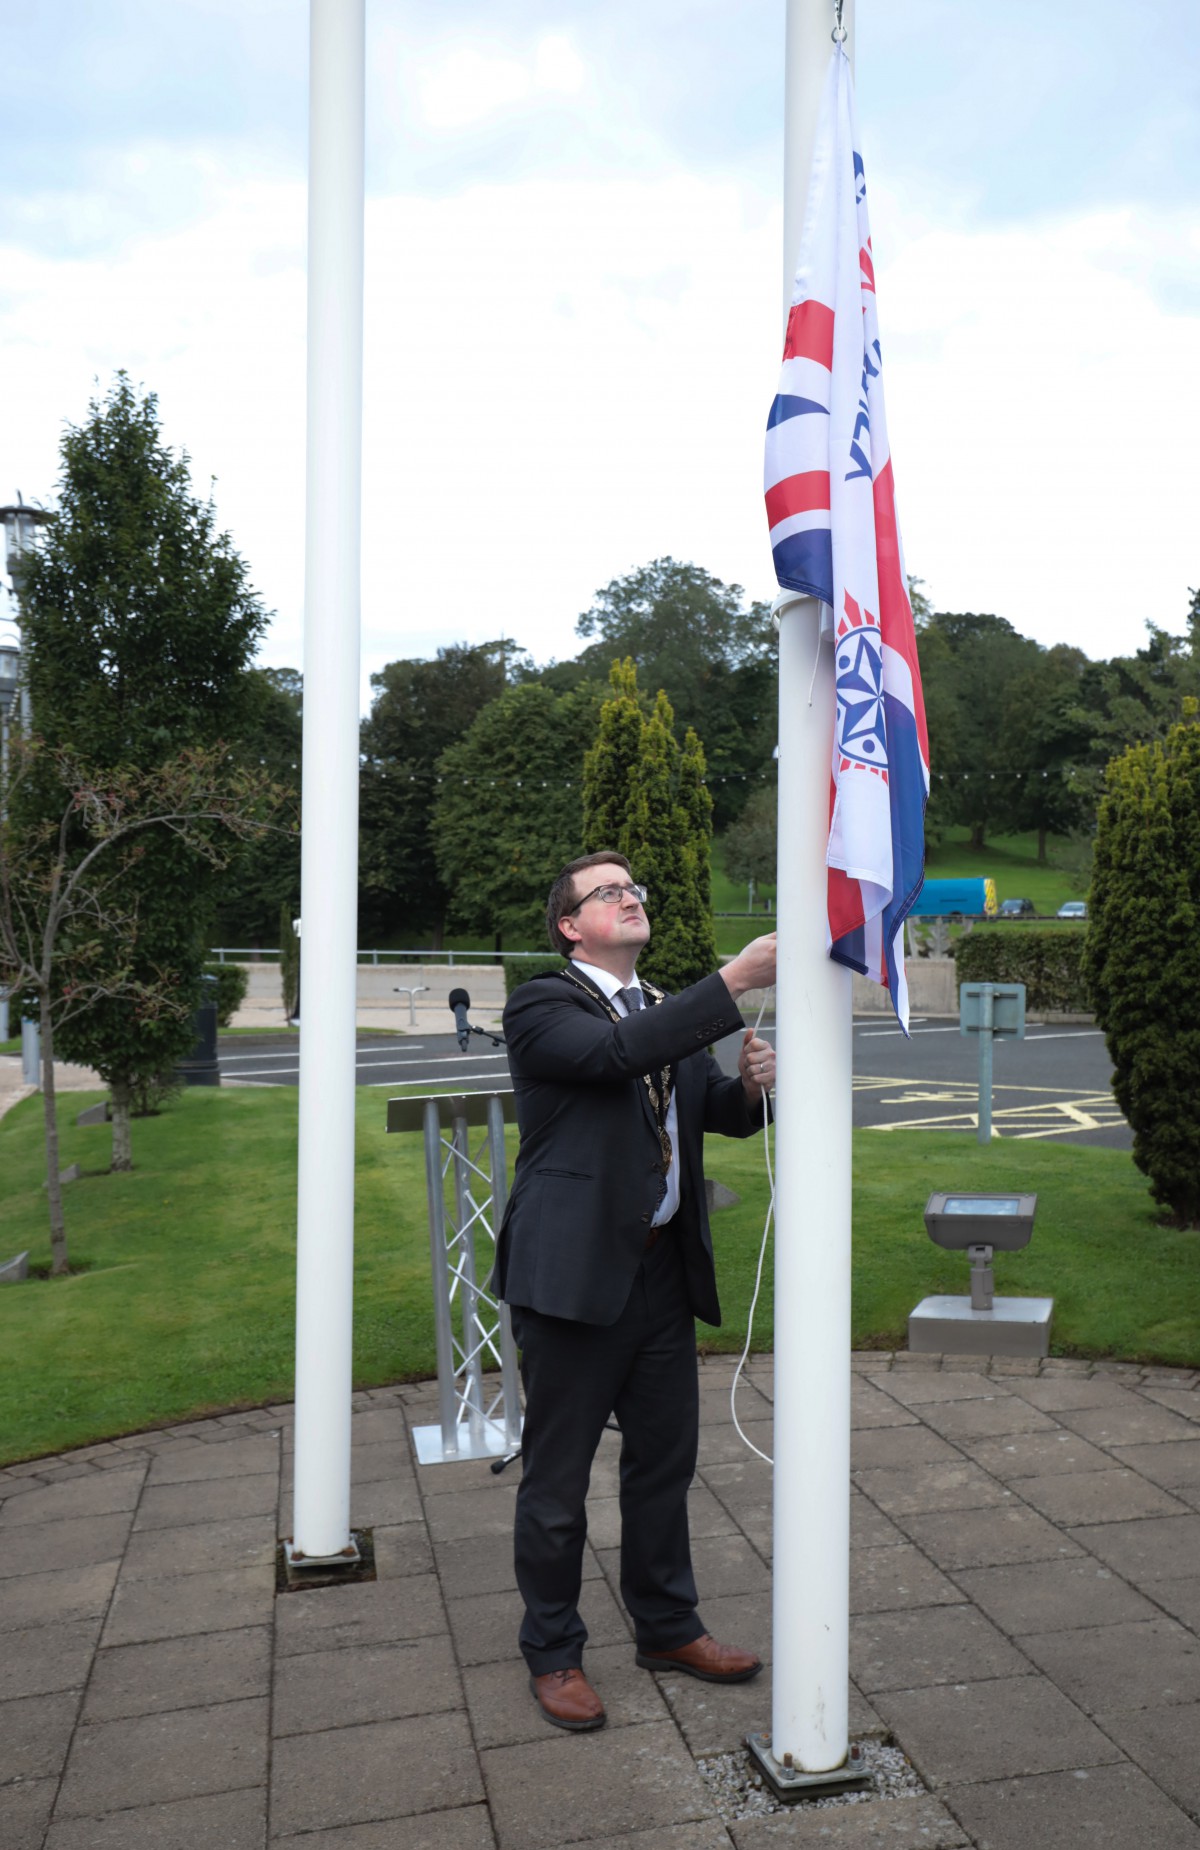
[[831, 506]]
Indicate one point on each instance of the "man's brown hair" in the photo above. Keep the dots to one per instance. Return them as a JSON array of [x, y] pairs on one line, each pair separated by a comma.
[[562, 894]]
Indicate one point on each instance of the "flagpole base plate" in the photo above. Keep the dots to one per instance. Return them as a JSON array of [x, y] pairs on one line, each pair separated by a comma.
[[790, 1782]]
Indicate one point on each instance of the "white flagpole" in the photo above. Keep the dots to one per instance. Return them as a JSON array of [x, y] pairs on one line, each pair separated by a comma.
[[811, 1569], [329, 862]]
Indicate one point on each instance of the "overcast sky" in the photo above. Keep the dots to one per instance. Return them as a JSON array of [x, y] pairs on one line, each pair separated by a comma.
[[573, 291]]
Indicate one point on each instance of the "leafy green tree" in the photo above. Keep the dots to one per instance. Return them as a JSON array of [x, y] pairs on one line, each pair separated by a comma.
[[610, 763], [289, 962], [649, 801], [509, 810], [1140, 958], [264, 873], [967, 660], [71, 888], [140, 624], [420, 708], [690, 634], [750, 846]]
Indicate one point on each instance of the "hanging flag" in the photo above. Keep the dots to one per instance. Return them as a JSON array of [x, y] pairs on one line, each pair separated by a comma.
[[831, 507]]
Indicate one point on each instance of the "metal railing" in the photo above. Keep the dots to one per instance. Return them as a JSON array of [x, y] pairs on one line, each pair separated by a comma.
[[258, 953]]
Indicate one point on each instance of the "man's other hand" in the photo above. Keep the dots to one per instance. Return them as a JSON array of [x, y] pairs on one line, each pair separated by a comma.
[[753, 968], [756, 1064]]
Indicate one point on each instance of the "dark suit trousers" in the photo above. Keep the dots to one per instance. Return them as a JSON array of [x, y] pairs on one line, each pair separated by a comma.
[[643, 1369]]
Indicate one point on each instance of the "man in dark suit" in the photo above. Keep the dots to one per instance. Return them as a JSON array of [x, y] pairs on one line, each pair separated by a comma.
[[604, 1257]]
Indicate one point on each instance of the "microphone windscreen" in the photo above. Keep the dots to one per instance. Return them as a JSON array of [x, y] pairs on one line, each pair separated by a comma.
[[459, 998]]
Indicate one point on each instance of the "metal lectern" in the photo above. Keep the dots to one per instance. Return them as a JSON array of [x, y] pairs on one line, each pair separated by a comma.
[[470, 1326]]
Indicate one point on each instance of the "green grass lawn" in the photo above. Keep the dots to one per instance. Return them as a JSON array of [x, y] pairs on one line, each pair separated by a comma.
[[1012, 862], [184, 1298]]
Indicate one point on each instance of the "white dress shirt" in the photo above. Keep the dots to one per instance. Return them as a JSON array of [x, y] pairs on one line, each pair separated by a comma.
[[610, 984]]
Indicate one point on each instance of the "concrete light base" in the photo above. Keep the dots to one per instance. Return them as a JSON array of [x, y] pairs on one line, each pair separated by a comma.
[[1013, 1326]]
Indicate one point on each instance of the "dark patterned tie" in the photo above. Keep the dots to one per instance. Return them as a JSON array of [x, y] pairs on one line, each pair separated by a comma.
[[633, 1000]]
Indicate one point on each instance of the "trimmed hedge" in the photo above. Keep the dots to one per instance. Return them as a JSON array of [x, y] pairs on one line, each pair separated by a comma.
[[518, 970], [232, 984], [1049, 963]]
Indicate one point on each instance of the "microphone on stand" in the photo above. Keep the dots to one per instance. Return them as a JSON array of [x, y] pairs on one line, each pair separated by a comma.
[[460, 1002]]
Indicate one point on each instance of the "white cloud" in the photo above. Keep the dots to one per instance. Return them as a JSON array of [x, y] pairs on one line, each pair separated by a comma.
[[467, 84], [564, 381]]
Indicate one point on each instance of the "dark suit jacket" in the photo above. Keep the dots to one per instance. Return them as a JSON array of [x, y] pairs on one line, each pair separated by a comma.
[[589, 1172]]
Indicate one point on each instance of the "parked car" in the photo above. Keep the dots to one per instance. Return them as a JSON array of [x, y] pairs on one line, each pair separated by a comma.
[[1017, 909], [1072, 909]]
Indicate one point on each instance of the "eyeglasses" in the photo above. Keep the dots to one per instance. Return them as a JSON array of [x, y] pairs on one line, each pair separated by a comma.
[[611, 896]]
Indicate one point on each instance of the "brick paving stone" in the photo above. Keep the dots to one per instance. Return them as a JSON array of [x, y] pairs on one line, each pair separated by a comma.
[[173, 1506], [35, 1733], [179, 1673], [1183, 1401], [1098, 1496], [1113, 1667], [71, 1593], [369, 1464], [464, 1513], [95, 1495], [723, 1444], [706, 1514], [468, 1828], [869, 1527], [248, 1457], [378, 1426], [1089, 1808], [24, 1811], [77, 1541], [368, 1683], [1060, 1393], [726, 1564], [238, 1542], [1035, 1454], [985, 1538], [1001, 1412], [709, 1834], [960, 1732], [954, 1484], [1139, 1422], [944, 1644], [871, 1361], [918, 1823], [924, 1390], [503, 1709], [371, 1612], [894, 1447], [177, 1605], [221, 1821], [155, 1758], [47, 1658], [550, 1793], [1051, 1596], [478, 1564], [403, 1549], [485, 1626], [384, 1500], [871, 1406], [389, 1769], [1181, 1598], [1174, 1464], [891, 1579], [1163, 1743], [1153, 1548]]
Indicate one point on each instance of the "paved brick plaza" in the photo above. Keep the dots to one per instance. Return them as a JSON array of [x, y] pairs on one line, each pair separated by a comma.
[[1025, 1599]]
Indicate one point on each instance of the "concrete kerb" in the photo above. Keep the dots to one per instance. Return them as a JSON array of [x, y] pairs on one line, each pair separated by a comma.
[[1007, 1655]]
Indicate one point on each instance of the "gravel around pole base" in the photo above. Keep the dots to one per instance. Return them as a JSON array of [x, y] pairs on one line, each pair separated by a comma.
[[739, 1790]]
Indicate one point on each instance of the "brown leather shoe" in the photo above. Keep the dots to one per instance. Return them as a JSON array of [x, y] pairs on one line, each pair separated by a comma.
[[706, 1659], [567, 1699]]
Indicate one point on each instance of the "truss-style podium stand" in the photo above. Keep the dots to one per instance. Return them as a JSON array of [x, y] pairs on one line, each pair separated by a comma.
[[467, 1194]]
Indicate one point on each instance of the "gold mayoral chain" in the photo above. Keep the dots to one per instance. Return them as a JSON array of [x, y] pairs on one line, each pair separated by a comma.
[[659, 1090]]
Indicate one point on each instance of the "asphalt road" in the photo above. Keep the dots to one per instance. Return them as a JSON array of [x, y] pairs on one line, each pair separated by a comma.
[[1054, 1083]]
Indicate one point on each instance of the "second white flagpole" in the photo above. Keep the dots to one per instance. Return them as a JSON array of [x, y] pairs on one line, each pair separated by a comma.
[[811, 1564]]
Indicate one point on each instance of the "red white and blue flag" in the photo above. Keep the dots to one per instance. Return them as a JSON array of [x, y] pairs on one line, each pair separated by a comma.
[[831, 506]]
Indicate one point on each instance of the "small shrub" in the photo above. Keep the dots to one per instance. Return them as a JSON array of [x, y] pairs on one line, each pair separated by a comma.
[[1049, 963], [232, 984], [518, 970]]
